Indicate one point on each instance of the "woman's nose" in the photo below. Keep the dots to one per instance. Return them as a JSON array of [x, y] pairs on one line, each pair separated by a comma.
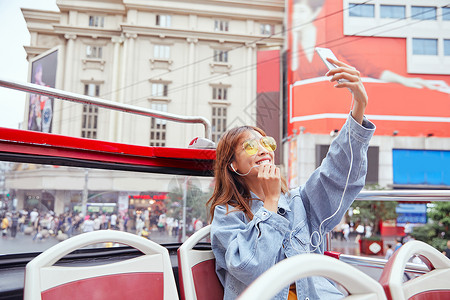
[[262, 150]]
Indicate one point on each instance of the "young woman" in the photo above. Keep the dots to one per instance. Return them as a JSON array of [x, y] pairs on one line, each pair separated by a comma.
[[257, 222]]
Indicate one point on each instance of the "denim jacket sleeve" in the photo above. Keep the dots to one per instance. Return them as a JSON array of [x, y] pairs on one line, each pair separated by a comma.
[[322, 193], [243, 248]]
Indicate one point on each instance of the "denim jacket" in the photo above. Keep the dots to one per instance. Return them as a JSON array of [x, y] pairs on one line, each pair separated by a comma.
[[245, 249]]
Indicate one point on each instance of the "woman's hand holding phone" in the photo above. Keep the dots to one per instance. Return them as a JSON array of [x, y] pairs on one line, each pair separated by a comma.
[[346, 76], [353, 83]]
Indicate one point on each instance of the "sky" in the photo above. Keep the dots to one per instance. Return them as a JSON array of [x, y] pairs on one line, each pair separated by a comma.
[[13, 58]]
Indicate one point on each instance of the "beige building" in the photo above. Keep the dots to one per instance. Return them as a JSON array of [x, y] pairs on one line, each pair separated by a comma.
[[193, 58]]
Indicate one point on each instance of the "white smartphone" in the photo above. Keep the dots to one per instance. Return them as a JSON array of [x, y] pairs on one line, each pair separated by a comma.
[[324, 53]]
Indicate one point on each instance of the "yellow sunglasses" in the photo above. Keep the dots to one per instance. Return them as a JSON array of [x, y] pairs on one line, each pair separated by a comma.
[[251, 146]]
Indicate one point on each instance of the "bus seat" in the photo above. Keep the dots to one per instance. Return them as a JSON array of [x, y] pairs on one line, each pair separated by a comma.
[[432, 285], [197, 270], [358, 284], [149, 274]]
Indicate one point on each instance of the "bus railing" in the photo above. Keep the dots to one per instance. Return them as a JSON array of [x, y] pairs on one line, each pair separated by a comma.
[[379, 263], [407, 195], [83, 99]]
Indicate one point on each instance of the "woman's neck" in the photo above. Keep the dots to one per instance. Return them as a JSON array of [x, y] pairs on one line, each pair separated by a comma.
[[255, 187]]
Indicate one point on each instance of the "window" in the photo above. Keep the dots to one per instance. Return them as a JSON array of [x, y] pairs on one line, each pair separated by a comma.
[[158, 127], [362, 10], [219, 122], [446, 13], [221, 56], [96, 21], [425, 46], [161, 52], [163, 20], [92, 90], [220, 25], [90, 113], [93, 52], [447, 47], [372, 161], [392, 11], [219, 93], [160, 89], [423, 12], [267, 29]]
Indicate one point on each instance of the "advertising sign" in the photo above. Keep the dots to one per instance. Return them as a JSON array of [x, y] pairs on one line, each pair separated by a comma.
[[399, 101], [40, 112]]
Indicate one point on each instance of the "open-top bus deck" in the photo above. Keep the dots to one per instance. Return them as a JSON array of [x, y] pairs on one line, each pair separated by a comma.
[[85, 266]]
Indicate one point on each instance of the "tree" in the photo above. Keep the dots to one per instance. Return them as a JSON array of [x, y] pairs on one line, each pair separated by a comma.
[[437, 231], [195, 200], [373, 212]]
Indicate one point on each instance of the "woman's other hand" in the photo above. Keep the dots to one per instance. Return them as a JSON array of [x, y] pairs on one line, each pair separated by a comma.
[[270, 180]]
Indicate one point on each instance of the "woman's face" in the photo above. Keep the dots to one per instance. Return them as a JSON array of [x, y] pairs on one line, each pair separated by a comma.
[[244, 162]]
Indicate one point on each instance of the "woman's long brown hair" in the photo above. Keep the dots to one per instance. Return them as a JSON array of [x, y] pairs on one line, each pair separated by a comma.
[[230, 188]]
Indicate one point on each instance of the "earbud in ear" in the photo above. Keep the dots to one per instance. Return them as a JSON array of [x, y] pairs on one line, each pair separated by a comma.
[[232, 167]]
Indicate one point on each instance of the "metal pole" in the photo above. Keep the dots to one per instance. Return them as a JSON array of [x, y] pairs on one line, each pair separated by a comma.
[[2, 178], [183, 235], [328, 241], [85, 193], [404, 195]]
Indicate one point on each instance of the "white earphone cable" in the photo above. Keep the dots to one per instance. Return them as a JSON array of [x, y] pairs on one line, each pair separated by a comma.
[[319, 232], [255, 166]]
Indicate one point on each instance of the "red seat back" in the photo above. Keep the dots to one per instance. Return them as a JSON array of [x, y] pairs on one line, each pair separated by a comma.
[[148, 276], [197, 270], [432, 285], [111, 287]]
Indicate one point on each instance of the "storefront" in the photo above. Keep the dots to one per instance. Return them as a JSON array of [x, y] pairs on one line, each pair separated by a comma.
[[151, 205], [41, 200]]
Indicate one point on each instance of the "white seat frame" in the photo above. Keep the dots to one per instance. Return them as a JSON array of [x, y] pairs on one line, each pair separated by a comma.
[[41, 275], [359, 285], [436, 279]]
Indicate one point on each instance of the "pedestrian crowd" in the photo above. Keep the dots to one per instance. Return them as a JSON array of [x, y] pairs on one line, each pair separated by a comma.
[[42, 225], [344, 229]]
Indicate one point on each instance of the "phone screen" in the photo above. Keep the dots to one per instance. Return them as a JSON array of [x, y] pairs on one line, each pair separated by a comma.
[[324, 53]]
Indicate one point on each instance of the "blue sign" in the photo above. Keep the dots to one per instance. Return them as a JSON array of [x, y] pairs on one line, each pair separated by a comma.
[[429, 167], [412, 213]]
